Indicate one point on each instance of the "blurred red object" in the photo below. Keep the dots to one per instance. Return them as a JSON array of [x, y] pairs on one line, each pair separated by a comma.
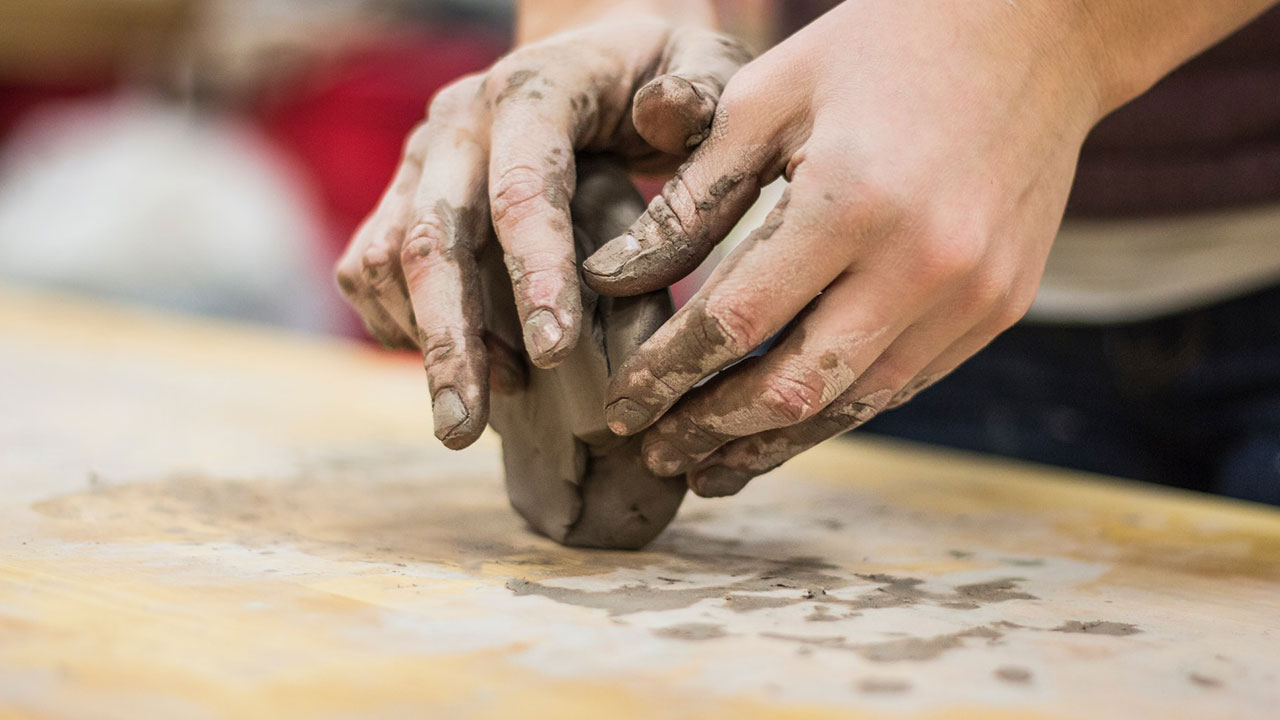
[[346, 123]]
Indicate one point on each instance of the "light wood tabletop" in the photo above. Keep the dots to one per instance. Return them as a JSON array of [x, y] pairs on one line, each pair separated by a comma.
[[199, 520]]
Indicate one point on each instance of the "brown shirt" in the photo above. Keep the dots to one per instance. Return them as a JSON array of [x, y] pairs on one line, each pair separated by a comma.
[[1205, 138]]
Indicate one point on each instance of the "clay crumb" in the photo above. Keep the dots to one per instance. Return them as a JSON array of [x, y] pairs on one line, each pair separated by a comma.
[[1098, 627], [884, 686], [691, 632], [1204, 681], [820, 614], [1013, 674], [747, 603]]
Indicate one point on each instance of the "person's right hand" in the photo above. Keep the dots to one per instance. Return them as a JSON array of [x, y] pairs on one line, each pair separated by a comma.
[[501, 144]]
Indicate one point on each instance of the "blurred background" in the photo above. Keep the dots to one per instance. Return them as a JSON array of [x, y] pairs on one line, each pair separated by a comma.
[[213, 156]]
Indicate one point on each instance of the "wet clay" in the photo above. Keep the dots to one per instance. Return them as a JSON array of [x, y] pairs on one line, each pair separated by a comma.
[[570, 477]]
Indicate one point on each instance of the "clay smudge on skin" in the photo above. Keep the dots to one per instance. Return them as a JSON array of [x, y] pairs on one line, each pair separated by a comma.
[[694, 632], [1098, 627], [915, 387], [1013, 674], [515, 81], [665, 367]]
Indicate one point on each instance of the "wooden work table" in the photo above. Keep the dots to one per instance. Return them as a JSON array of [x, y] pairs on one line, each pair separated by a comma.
[[207, 521]]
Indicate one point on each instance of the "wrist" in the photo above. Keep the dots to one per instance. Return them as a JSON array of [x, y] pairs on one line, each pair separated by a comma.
[[537, 19], [1129, 45]]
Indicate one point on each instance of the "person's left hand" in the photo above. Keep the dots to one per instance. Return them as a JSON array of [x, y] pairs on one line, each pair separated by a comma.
[[930, 148]]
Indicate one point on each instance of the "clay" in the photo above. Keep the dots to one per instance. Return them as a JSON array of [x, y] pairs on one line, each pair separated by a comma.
[[1013, 674], [884, 685], [566, 473], [781, 584], [692, 631], [1098, 627]]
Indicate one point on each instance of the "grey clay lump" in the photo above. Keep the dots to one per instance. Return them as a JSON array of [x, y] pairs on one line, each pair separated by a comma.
[[566, 473]]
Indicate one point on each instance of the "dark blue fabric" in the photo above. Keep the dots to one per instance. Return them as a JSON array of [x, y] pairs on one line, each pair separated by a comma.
[[1191, 400]]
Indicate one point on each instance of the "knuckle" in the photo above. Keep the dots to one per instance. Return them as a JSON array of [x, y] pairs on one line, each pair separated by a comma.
[[945, 257], [511, 72], [429, 236], [1013, 309], [741, 93], [437, 347], [441, 345], [862, 209], [792, 399], [987, 289], [696, 435], [730, 325], [347, 274], [375, 260], [662, 213], [519, 192], [453, 97], [416, 140], [540, 271]]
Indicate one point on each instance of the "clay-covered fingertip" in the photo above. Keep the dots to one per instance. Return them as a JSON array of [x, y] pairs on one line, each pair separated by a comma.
[[664, 460], [626, 417], [717, 481], [548, 341], [551, 359], [456, 424], [460, 442], [669, 110]]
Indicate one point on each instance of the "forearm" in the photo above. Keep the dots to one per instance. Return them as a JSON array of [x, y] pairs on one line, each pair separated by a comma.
[[536, 19], [1137, 42]]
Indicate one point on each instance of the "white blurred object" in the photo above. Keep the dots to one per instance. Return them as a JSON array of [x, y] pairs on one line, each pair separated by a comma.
[[141, 200]]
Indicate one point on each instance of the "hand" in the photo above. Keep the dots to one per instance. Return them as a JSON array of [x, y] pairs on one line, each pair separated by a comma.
[[502, 143], [929, 148]]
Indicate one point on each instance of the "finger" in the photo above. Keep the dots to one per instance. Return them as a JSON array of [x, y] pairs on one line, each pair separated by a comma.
[[695, 210], [367, 273], [736, 310], [848, 328], [673, 112], [1005, 315], [376, 321], [531, 180], [438, 259], [921, 356]]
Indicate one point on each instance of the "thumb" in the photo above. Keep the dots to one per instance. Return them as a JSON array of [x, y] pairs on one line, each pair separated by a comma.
[[694, 212], [673, 111]]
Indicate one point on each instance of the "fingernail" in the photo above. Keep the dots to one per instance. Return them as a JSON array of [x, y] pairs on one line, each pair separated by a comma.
[[448, 412], [625, 417], [543, 332], [611, 259], [663, 459], [717, 481]]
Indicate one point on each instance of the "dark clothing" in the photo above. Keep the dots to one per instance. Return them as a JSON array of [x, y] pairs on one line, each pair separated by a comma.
[[1191, 400], [1207, 137]]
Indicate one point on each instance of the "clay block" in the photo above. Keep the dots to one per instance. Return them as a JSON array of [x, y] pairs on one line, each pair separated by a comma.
[[566, 473]]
